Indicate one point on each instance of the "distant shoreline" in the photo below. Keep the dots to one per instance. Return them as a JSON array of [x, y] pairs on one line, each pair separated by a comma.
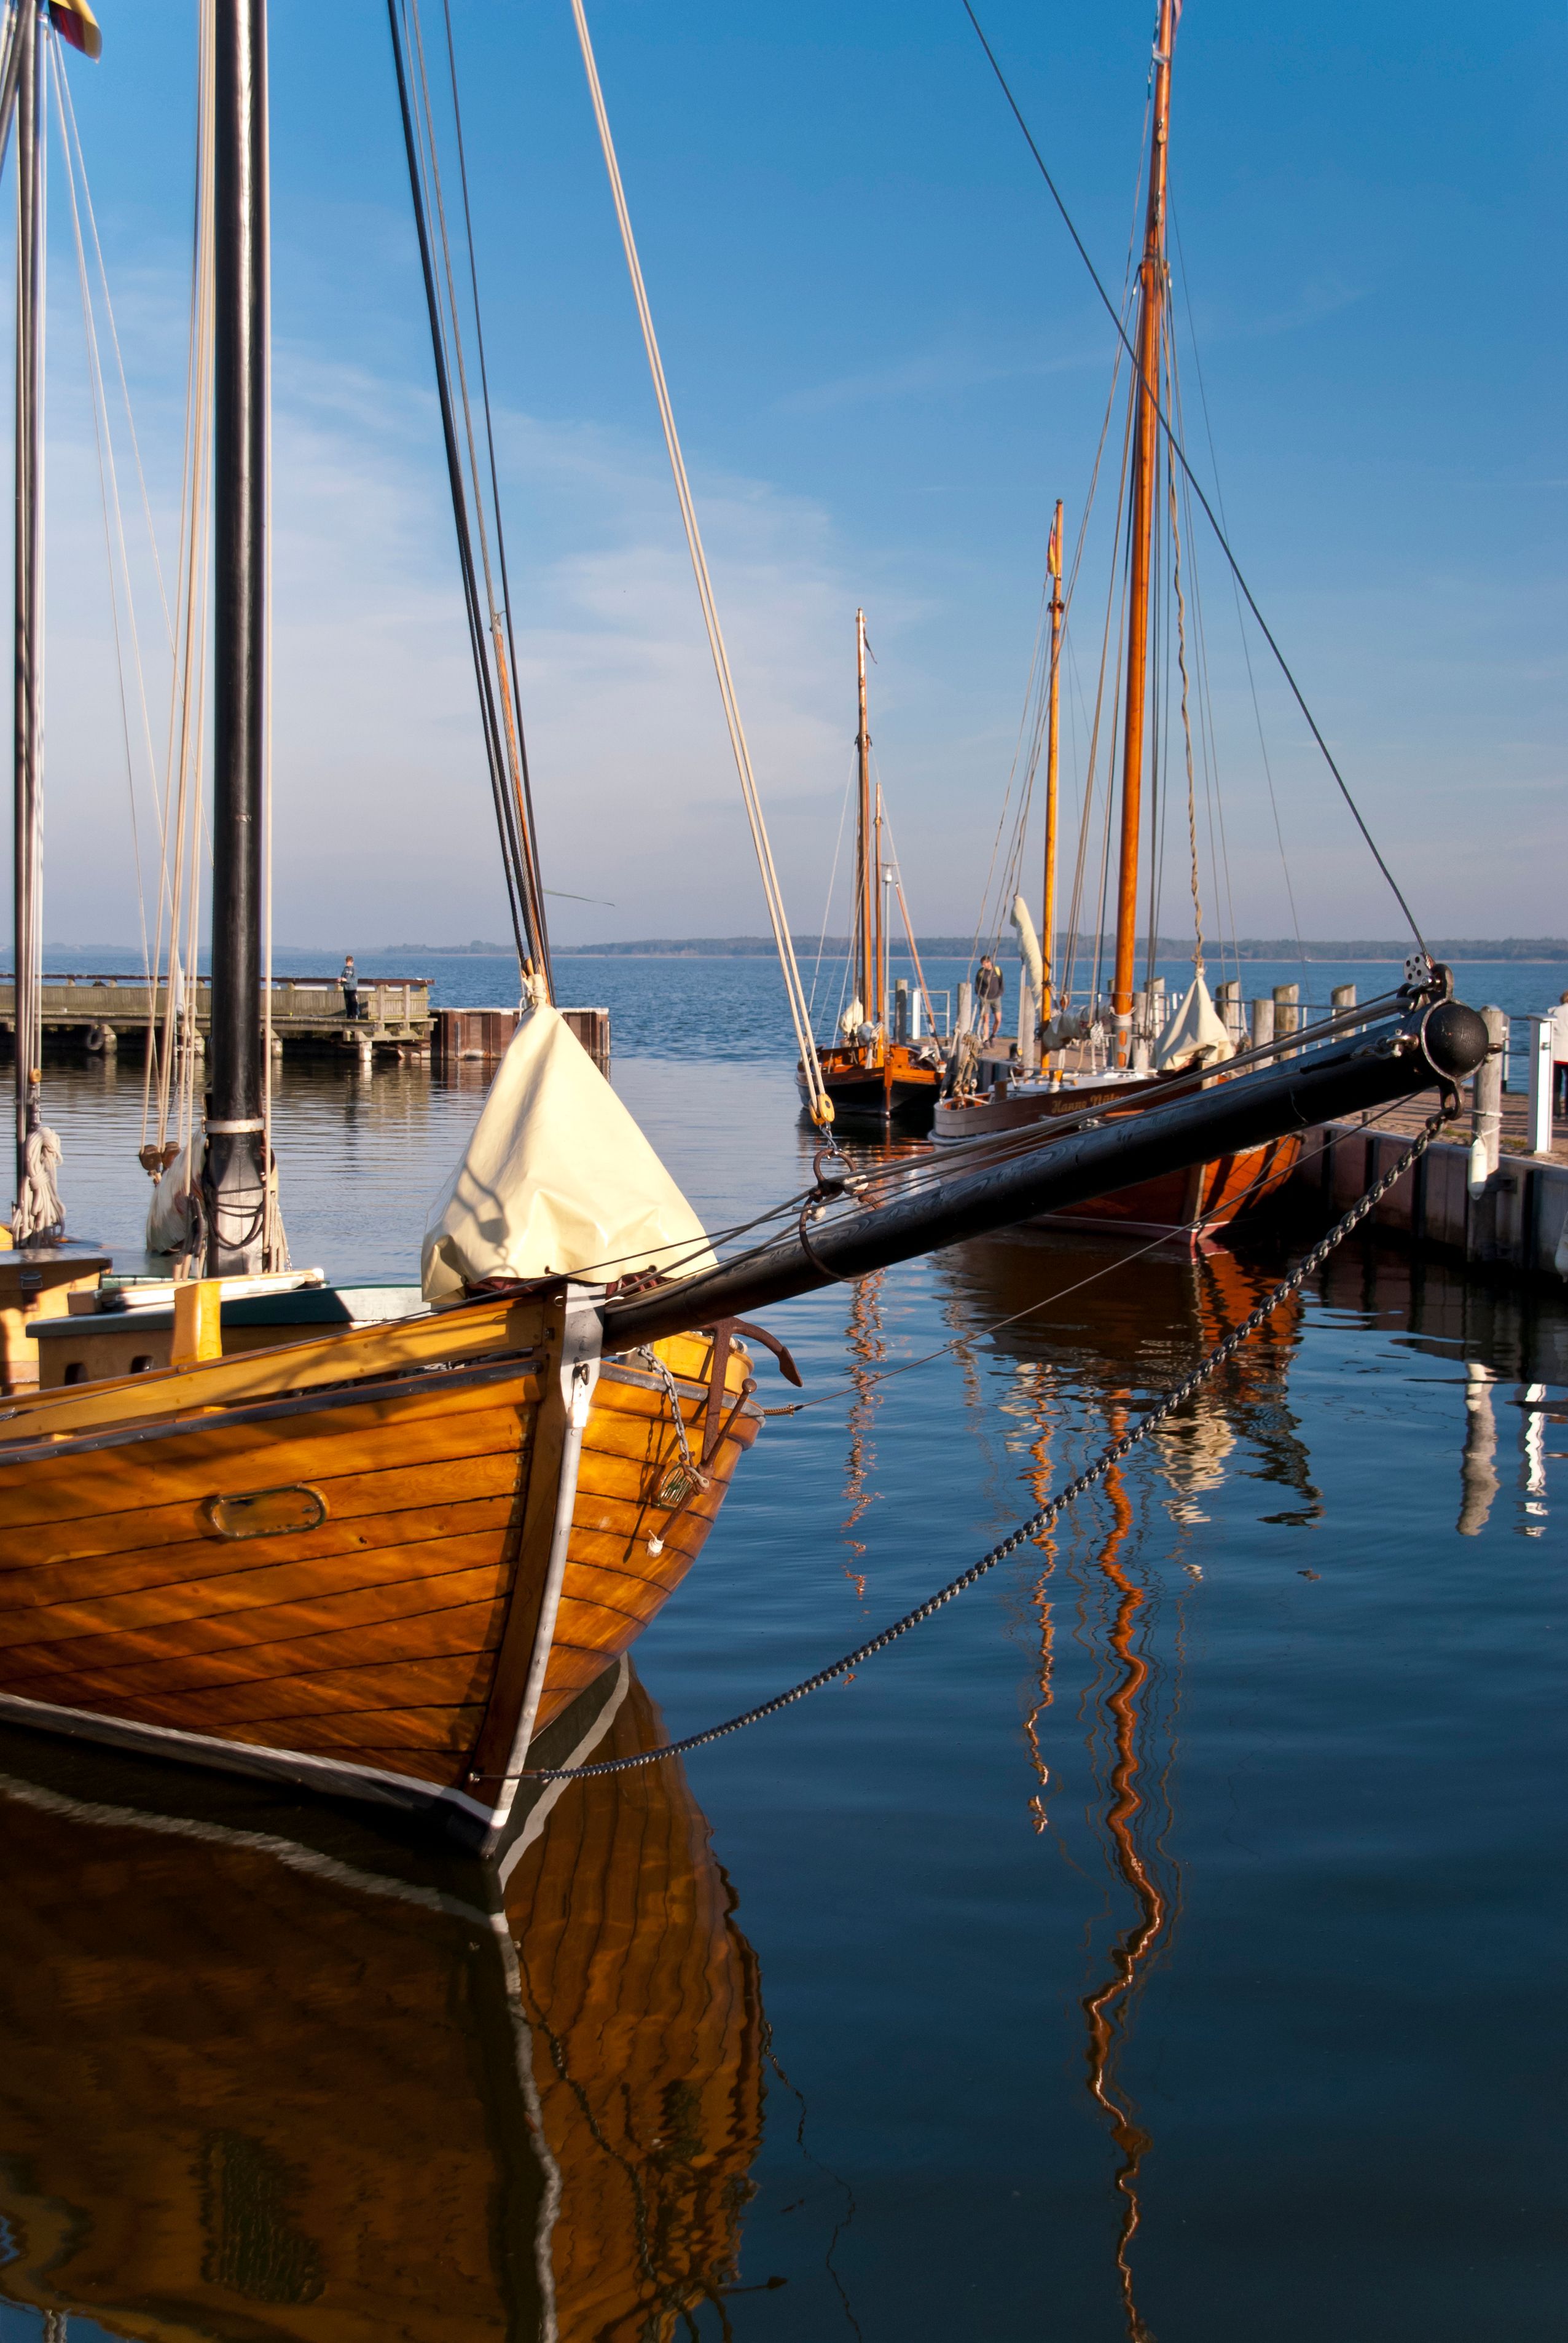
[[1543, 951], [1520, 950]]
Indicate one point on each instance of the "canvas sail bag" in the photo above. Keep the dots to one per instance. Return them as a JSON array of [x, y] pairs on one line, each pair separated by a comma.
[[558, 1181]]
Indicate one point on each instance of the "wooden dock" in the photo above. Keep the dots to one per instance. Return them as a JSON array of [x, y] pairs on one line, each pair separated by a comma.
[[1515, 1224], [103, 1014]]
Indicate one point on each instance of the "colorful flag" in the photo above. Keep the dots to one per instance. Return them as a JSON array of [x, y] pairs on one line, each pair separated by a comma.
[[74, 22]]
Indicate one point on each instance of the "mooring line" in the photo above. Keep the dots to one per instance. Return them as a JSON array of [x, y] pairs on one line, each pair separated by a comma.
[[1048, 1514]]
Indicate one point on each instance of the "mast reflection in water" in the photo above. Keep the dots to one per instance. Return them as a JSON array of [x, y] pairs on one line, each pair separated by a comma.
[[1080, 1313], [344, 2092]]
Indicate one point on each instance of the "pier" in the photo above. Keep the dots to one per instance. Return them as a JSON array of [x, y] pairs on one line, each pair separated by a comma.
[[103, 1013], [1491, 1190]]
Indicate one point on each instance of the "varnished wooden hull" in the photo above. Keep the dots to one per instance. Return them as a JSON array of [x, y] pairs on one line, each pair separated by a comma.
[[369, 1633], [257, 2089], [1195, 1205], [900, 1092]]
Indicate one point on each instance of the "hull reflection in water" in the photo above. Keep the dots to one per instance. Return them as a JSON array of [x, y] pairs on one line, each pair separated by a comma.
[[344, 2093], [1088, 1320]]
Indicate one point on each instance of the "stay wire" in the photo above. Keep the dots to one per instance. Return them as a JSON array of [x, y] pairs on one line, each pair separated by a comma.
[[1038, 1523], [1152, 394], [504, 818]]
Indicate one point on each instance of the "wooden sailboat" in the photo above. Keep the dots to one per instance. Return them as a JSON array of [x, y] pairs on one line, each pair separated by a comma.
[[383, 1560], [1203, 1199], [327, 2091], [876, 1078]]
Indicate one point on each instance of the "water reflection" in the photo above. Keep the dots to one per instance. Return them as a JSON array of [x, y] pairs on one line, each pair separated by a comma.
[[339, 2091], [868, 1352]]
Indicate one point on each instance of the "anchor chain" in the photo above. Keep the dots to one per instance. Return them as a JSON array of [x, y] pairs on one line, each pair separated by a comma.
[[1049, 1513]]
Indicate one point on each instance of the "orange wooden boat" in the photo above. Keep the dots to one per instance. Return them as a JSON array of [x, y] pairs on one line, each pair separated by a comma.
[[1009, 1091], [327, 2091], [878, 1077], [1193, 1206], [382, 1561]]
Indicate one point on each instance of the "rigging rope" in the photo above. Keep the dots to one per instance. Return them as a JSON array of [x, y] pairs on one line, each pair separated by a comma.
[[1151, 392], [517, 864], [799, 1013], [1039, 1522]]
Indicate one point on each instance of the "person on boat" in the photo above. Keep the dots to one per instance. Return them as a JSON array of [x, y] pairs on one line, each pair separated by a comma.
[[350, 981], [989, 988], [1560, 1056]]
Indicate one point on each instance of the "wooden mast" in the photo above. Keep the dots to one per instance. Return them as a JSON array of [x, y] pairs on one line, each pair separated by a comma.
[[865, 884], [879, 1011], [233, 1181], [1054, 710], [29, 675], [1145, 465]]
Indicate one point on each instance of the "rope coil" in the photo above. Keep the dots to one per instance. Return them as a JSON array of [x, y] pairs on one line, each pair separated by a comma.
[[1048, 1514]]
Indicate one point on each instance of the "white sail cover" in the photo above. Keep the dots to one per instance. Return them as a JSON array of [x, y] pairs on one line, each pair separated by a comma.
[[558, 1180], [1028, 944], [1194, 1034]]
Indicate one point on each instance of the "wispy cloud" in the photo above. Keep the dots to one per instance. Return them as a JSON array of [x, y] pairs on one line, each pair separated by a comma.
[[943, 372]]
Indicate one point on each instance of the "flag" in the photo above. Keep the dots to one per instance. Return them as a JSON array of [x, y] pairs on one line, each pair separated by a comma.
[[74, 22], [1053, 550]]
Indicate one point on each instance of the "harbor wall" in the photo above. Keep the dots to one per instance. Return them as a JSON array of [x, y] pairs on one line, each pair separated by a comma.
[[1516, 1224]]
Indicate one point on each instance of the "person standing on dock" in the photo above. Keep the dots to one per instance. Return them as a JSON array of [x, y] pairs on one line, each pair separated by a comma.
[[989, 988], [350, 981], [1560, 1056]]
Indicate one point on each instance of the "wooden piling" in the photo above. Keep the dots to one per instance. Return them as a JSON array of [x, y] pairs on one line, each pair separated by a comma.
[[1486, 1104], [1538, 1125], [1262, 1023]]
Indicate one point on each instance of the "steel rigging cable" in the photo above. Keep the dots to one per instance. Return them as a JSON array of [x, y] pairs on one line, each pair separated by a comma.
[[1152, 392]]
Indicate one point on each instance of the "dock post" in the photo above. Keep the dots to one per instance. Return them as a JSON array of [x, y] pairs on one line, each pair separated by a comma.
[[1262, 1023], [966, 1016], [1538, 1115], [901, 1009], [1341, 998], [1287, 1011], [1228, 1002], [1486, 1103]]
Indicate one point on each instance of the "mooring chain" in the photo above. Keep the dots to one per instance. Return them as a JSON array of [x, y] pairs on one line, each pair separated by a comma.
[[1049, 1513]]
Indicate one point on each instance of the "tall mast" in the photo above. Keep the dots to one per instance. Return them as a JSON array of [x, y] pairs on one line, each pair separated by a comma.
[[233, 1182], [865, 882], [28, 638], [1054, 710], [1145, 465], [880, 1008]]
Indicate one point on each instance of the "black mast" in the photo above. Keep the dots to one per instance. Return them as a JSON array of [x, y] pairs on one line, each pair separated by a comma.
[[27, 713], [234, 1186]]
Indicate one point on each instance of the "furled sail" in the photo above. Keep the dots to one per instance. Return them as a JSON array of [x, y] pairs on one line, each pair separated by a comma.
[[1193, 1034], [558, 1180], [1028, 944]]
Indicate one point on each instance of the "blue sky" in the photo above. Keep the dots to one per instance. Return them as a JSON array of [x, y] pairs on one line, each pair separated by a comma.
[[887, 362]]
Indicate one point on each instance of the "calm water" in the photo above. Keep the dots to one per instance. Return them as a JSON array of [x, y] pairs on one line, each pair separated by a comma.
[[1161, 1942]]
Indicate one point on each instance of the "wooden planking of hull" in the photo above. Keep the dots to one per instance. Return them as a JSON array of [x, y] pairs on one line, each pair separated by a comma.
[[337, 2092], [1191, 1206], [381, 1561], [882, 1087]]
